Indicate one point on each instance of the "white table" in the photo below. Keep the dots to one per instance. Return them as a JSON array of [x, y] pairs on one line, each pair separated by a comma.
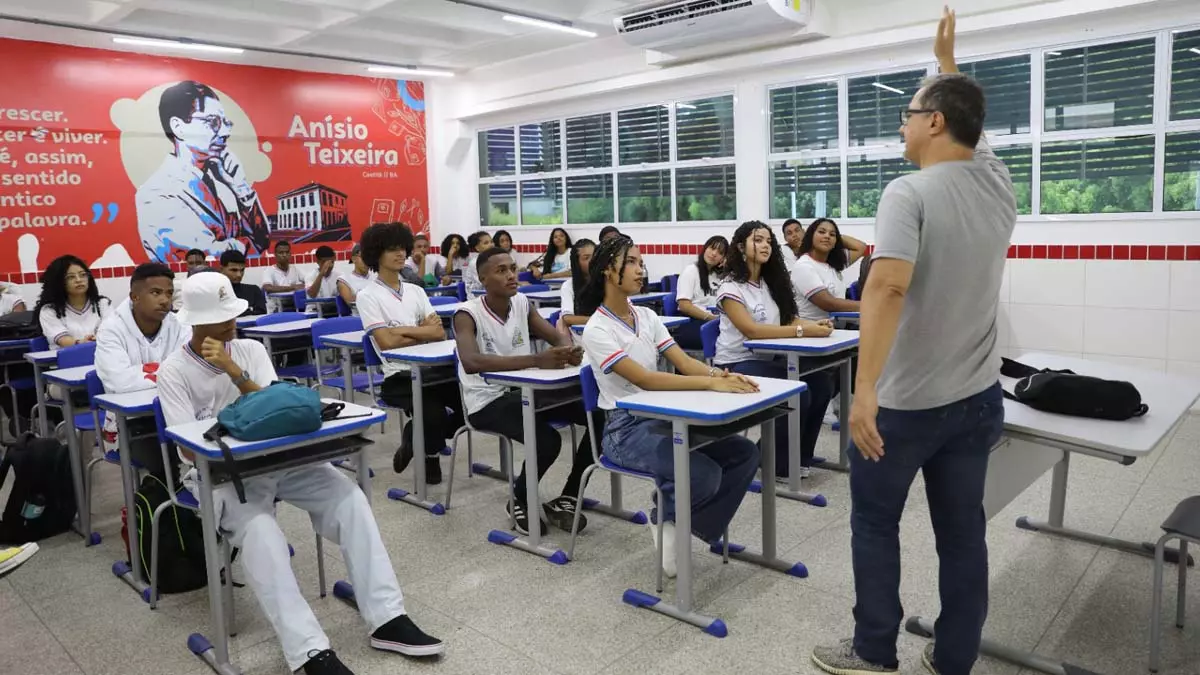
[[42, 361], [71, 379], [1035, 442], [530, 381], [125, 407], [448, 310], [554, 283], [648, 298], [547, 312], [289, 329], [688, 414], [322, 303], [540, 298], [325, 446], [248, 320], [843, 342], [418, 358]]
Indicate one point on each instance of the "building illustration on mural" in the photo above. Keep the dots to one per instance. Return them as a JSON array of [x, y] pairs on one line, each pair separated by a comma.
[[312, 212]]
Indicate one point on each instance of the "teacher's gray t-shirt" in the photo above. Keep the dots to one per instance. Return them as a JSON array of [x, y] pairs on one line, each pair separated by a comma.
[[953, 221]]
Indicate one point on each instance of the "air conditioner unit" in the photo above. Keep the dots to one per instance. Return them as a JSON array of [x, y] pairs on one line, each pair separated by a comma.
[[683, 25]]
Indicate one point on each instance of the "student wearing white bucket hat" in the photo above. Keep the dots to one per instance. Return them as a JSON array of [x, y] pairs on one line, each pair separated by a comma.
[[197, 382]]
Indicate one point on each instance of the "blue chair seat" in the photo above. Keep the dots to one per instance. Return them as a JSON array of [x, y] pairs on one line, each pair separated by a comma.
[[84, 422], [360, 381], [611, 466], [114, 457], [21, 383], [186, 498]]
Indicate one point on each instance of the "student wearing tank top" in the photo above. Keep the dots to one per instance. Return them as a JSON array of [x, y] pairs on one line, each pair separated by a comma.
[[495, 332], [757, 303], [622, 344]]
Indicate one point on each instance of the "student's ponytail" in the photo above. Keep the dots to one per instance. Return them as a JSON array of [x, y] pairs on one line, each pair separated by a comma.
[[589, 298]]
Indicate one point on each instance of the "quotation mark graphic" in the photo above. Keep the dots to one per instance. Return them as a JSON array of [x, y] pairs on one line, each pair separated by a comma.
[[39, 134], [98, 212]]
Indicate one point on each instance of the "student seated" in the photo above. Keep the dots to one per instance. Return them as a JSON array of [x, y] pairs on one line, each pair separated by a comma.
[[323, 282], [233, 265], [350, 283], [196, 258], [757, 303], [817, 275], [495, 332], [793, 235], [397, 314], [70, 306], [502, 239], [696, 291], [133, 340], [622, 343], [555, 262], [610, 231], [581, 259], [457, 253], [283, 276], [11, 301], [477, 243], [429, 268], [195, 383]]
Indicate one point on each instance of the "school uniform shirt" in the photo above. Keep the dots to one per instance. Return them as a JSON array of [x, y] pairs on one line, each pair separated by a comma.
[[607, 340], [810, 277], [496, 337], [567, 297], [470, 275], [789, 256], [191, 389], [458, 264], [562, 263], [9, 302], [435, 268], [277, 277], [689, 288], [762, 308], [355, 281], [75, 323], [382, 306], [328, 284]]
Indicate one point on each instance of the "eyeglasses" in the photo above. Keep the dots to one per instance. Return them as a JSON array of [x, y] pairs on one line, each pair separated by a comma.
[[214, 122], [906, 115]]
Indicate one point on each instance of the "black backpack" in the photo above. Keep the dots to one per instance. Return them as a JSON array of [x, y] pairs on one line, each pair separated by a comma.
[[180, 540], [42, 501], [19, 326], [1065, 393]]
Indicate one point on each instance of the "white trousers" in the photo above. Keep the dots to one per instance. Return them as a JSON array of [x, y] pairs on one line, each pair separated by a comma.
[[340, 513]]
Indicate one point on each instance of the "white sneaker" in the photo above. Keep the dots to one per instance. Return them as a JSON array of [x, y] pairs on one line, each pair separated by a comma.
[[805, 472], [830, 419], [668, 561], [11, 558]]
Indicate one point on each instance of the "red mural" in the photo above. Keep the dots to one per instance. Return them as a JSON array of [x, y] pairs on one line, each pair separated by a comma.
[[122, 158]]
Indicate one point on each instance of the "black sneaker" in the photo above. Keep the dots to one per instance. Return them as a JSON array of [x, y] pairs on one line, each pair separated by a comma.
[[521, 516], [402, 635], [561, 513], [433, 470], [325, 663]]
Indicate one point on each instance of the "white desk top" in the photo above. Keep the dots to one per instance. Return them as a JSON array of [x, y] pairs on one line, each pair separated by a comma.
[[134, 402], [838, 341], [429, 353], [281, 295], [547, 378], [1170, 397], [544, 296], [547, 312], [670, 322], [248, 320], [69, 377], [191, 435], [289, 328], [648, 297], [448, 309], [352, 339], [328, 300], [48, 357], [710, 407], [557, 281]]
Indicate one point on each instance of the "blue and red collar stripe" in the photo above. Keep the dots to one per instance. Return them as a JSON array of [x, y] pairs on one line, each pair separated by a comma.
[[398, 294], [634, 328], [187, 349]]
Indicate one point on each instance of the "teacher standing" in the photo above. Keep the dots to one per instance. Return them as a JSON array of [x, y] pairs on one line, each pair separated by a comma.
[[927, 396]]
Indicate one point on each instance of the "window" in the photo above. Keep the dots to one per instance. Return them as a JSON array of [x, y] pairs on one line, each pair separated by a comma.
[[497, 153], [1108, 85], [1106, 175], [497, 205], [644, 135], [867, 178], [1019, 160], [589, 142], [1006, 84], [1185, 76], [590, 199], [875, 103], [806, 189], [706, 193], [541, 202], [1181, 184], [541, 147], [804, 118], [704, 128], [645, 196]]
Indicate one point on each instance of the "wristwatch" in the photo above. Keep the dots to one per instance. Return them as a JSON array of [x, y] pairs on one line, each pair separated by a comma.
[[799, 331], [241, 379]]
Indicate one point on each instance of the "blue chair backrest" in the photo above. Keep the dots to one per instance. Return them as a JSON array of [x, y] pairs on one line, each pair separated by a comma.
[[300, 299], [533, 288], [160, 422], [554, 318], [526, 276], [670, 282], [341, 324], [281, 317], [853, 292], [708, 337], [82, 354], [370, 357], [342, 308], [591, 390], [94, 388], [436, 300], [39, 344], [670, 303], [462, 291]]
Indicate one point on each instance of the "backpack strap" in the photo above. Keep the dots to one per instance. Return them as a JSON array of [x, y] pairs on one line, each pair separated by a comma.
[[1018, 370], [214, 435], [1142, 410]]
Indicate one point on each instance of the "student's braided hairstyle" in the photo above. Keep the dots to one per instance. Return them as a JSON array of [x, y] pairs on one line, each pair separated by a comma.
[[609, 253], [774, 273]]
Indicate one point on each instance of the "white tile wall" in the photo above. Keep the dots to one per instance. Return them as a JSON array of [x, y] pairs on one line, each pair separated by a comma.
[[1047, 282], [1125, 332], [1127, 284], [1183, 336], [1185, 286], [1046, 327]]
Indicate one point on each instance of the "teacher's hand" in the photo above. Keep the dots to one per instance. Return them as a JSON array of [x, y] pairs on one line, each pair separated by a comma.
[[863, 428]]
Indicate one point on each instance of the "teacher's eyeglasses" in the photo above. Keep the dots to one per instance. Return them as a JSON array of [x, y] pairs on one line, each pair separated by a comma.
[[906, 115]]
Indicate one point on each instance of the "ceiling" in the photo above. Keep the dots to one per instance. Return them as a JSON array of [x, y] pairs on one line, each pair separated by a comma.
[[419, 32]]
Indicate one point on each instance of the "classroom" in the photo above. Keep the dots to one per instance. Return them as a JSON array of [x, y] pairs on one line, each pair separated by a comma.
[[830, 336]]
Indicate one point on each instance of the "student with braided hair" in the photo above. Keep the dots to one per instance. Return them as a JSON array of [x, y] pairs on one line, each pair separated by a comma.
[[622, 343]]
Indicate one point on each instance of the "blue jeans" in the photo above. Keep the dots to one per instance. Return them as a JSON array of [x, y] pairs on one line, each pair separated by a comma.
[[950, 445], [813, 404], [721, 471]]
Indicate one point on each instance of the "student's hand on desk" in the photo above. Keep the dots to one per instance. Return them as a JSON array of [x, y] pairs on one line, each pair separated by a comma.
[[732, 384], [214, 352], [556, 358], [863, 427], [822, 328]]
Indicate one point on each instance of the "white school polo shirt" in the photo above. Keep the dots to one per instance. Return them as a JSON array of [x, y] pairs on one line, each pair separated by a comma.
[[497, 337], [567, 298], [76, 323], [355, 282], [328, 284], [470, 275], [382, 306], [9, 302], [762, 308], [689, 287], [277, 277], [810, 277], [607, 340]]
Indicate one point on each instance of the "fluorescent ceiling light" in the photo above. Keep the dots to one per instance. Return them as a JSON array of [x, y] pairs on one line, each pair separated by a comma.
[[175, 44], [1195, 49], [894, 90], [419, 72], [549, 25]]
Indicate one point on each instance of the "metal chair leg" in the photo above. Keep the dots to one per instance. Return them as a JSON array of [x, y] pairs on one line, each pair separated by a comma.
[[1181, 597], [320, 564], [154, 536], [587, 473], [453, 458], [227, 589], [658, 500], [1156, 602]]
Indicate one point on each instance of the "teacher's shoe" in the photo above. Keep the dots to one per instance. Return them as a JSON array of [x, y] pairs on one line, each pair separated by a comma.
[[12, 557], [668, 546], [402, 635], [927, 659], [841, 660]]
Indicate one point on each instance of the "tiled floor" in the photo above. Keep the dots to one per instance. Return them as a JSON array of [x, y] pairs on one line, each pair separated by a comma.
[[503, 611]]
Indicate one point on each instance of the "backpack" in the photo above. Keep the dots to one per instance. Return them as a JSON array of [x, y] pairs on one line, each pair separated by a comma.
[[1066, 393], [180, 540], [42, 501], [19, 326]]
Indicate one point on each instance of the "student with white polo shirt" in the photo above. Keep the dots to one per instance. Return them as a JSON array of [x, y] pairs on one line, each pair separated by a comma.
[[350, 283], [817, 275], [196, 382], [696, 291], [622, 343], [283, 276], [495, 332], [397, 314], [70, 307], [11, 301], [477, 243], [323, 282]]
